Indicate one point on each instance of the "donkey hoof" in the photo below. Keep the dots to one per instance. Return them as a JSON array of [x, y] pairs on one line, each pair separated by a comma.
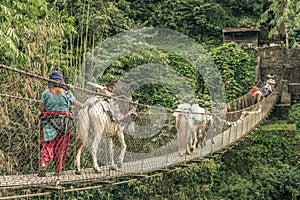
[[191, 149], [77, 172], [97, 170], [188, 152], [180, 154], [119, 165], [113, 167]]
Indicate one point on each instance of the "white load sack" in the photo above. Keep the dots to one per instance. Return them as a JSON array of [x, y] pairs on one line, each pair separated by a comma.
[[198, 112], [182, 107]]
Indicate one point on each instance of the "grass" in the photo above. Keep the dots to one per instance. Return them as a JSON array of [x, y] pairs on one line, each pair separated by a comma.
[[278, 125]]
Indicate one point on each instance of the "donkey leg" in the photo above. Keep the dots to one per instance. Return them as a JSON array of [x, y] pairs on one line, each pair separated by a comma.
[[78, 151], [181, 137], [188, 149], [181, 142], [189, 142], [199, 136], [194, 141], [82, 135], [203, 142], [123, 149], [111, 153], [94, 149]]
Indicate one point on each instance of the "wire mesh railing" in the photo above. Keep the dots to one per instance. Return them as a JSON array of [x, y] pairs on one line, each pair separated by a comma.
[[19, 123], [20, 139]]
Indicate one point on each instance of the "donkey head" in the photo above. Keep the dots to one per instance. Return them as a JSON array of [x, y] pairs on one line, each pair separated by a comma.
[[132, 117]]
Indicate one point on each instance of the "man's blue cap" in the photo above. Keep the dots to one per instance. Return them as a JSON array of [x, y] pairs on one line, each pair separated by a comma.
[[55, 76]]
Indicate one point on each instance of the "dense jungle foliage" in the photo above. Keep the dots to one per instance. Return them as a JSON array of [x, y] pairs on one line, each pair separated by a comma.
[[41, 35]]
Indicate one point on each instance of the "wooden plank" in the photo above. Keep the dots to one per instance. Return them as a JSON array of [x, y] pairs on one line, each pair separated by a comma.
[[294, 84]]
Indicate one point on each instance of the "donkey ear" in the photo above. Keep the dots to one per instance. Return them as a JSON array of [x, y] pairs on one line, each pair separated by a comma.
[[136, 103]]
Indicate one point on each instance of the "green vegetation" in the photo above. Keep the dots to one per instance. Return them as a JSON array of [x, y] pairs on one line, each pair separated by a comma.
[[279, 16], [237, 67], [294, 116], [40, 35]]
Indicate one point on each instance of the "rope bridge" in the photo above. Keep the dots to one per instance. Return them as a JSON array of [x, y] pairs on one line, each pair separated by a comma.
[[20, 139]]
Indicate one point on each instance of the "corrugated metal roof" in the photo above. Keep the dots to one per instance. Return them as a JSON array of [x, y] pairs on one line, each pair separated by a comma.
[[252, 29]]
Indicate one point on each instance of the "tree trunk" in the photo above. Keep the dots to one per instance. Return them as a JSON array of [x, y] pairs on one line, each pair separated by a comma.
[[286, 37]]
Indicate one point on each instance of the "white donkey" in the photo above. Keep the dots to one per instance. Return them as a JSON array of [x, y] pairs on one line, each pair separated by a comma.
[[192, 122], [95, 120]]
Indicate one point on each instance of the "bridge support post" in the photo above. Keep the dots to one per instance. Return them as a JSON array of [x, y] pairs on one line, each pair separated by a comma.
[[285, 97]]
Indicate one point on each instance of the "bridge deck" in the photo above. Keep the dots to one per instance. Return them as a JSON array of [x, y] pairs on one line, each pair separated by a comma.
[[89, 175]]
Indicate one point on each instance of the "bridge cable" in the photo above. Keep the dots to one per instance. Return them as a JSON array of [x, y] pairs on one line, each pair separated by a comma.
[[85, 90]]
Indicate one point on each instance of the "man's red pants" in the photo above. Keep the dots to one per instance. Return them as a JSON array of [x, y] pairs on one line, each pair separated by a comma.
[[55, 149]]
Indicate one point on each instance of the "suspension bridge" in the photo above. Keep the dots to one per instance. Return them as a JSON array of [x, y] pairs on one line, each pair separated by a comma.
[[20, 141]]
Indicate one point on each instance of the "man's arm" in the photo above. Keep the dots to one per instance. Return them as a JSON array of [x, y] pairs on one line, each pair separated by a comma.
[[42, 106], [80, 105]]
